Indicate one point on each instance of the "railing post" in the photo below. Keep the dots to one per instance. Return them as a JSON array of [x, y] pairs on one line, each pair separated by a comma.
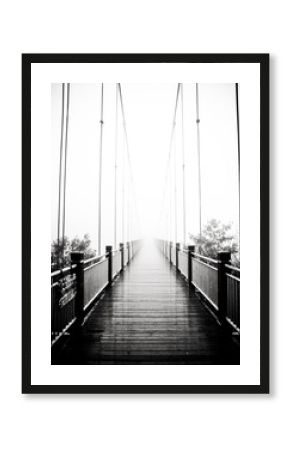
[[223, 259], [190, 248], [177, 249], [170, 250], [78, 259], [109, 249], [128, 247], [122, 255]]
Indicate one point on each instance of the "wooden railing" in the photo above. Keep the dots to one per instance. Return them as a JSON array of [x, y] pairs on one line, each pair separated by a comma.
[[63, 300], [216, 279], [233, 295], [74, 289]]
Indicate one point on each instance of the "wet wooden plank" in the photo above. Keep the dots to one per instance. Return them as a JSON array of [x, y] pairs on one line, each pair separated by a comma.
[[149, 316]]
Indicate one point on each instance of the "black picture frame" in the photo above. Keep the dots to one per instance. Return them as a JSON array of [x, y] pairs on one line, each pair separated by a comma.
[[27, 61]]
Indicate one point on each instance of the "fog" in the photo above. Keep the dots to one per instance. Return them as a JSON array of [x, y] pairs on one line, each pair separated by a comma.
[[149, 112]]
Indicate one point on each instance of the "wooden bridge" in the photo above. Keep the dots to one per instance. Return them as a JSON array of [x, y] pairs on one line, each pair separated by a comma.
[[146, 304], [140, 302]]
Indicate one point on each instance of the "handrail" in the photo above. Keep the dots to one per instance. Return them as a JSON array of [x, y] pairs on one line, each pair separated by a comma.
[[220, 287], [63, 272], [94, 264], [205, 263], [206, 258], [66, 270], [228, 266], [232, 276], [88, 261], [81, 291], [181, 249]]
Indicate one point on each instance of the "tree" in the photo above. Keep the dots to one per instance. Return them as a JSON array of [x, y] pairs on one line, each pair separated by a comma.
[[215, 237], [83, 245], [60, 252]]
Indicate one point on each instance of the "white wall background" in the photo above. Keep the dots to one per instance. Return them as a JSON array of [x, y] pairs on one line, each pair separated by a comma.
[[142, 422]]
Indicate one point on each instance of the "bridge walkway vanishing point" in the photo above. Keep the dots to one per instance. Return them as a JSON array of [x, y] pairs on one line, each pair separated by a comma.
[[149, 316]]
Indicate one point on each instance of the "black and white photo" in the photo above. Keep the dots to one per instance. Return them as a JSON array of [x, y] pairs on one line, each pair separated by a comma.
[[147, 195]]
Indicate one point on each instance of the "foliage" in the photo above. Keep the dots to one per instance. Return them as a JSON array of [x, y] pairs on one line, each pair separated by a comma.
[[60, 252], [215, 237]]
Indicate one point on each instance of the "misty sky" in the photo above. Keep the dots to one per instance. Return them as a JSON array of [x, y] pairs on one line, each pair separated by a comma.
[[149, 115]]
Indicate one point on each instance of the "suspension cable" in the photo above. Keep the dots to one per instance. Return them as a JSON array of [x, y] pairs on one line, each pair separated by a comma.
[[65, 160], [198, 155], [100, 172], [60, 169], [173, 124], [131, 178], [128, 216], [116, 169], [170, 150], [125, 130], [238, 138], [175, 191], [183, 168], [123, 191], [170, 203]]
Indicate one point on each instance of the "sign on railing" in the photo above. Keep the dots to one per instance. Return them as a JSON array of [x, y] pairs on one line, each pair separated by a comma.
[[63, 297]]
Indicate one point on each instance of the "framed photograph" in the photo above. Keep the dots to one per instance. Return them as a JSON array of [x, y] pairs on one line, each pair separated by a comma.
[[145, 223]]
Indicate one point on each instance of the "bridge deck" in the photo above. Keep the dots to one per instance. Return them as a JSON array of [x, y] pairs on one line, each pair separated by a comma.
[[149, 316]]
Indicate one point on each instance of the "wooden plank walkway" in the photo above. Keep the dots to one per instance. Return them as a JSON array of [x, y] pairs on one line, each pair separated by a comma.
[[149, 316]]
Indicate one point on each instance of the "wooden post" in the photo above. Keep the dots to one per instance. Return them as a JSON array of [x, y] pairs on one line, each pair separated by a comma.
[[109, 249], [128, 247], [177, 249], [170, 251], [190, 248], [122, 255], [223, 259], [78, 259]]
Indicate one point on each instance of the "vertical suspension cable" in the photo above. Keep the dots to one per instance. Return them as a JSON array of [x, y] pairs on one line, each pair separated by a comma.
[[166, 202], [175, 191], [116, 170], [198, 155], [123, 192], [238, 139], [60, 169], [128, 160], [128, 214], [65, 163], [168, 166], [170, 202], [183, 168], [100, 172]]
